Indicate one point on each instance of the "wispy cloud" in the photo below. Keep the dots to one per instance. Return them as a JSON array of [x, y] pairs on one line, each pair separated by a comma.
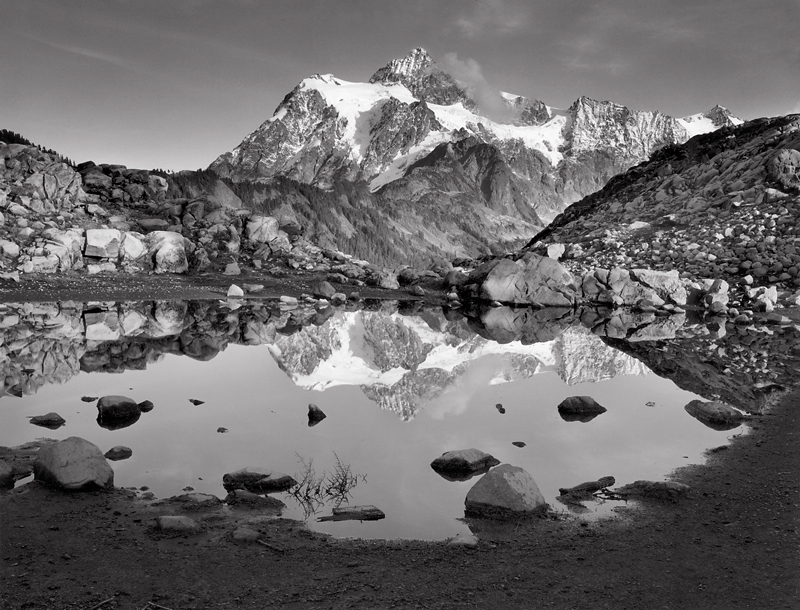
[[493, 17], [94, 54], [469, 75]]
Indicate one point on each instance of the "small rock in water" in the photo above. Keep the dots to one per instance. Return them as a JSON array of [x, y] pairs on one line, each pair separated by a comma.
[[222, 430], [146, 406], [196, 402], [518, 444], [315, 415], [500, 408], [51, 420], [89, 398], [120, 452]]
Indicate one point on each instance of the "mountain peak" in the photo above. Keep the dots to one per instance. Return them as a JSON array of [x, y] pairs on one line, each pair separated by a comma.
[[413, 66], [720, 116]]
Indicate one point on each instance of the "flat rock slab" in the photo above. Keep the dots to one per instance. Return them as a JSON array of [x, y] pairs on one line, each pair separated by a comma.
[[505, 492], [355, 513], [716, 415], [258, 480], [73, 464], [588, 487], [177, 524], [653, 490]]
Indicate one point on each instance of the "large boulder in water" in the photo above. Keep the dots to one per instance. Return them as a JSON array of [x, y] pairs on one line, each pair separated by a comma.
[[716, 415], [505, 492], [531, 280], [73, 464]]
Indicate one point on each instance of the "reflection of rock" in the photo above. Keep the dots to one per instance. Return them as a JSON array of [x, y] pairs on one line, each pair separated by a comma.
[[258, 480], [354, 513], [580, 408], [653, 490], [505, 492], [51, 420], [582, 356], [507, 324], [716, 415], [73, 464], [315, 415], [463, 464]]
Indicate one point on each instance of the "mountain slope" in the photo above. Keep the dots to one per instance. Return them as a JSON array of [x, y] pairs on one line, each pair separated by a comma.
[[392, 133]]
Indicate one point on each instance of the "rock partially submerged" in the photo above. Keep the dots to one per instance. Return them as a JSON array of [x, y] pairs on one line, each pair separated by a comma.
[[51, 420], [258, 480], [463, 464], [315, 415], [653, 490], [114, 412], [505, 492], [354, 513], [587, 488], [580, 408], [714, 414], [73, 464], [119, 452]]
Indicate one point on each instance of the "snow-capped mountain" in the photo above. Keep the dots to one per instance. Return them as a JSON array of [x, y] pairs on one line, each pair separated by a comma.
[[401, 362], [416, 138]]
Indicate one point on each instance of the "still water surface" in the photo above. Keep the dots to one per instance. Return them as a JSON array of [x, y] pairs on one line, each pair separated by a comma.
[[644, 434]]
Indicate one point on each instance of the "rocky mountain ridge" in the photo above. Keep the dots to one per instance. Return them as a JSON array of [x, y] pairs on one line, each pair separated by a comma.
[[385, 134]]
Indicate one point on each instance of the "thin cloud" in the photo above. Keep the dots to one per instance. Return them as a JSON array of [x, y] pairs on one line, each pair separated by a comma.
[[108, 58], [493, 17]]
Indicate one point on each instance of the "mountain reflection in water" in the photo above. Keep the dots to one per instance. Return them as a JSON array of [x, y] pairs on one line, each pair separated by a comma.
[[441, 372]]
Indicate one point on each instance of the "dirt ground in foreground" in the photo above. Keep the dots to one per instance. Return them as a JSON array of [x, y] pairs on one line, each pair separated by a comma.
[[732, 543]]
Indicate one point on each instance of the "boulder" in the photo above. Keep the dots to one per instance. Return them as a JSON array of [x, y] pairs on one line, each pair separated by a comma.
[[114, 412], [73, 464], [258, 480], [463, 464], [241, 498], [716, 415], [103, 243], [132, 248], [51, 420], [119, 452], [666, 284], [234, 291], [232, 269], [166, 250], [261, 229], [323, 289], [580, 408], [505, 492], [784, 169], [533, 279]]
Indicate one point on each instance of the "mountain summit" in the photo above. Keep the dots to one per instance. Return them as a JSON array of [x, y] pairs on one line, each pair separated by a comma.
[[412, 140]]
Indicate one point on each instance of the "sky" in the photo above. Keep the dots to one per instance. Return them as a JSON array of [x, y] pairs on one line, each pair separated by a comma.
[[172, 84]]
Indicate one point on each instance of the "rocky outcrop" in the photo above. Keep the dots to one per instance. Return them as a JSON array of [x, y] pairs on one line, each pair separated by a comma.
[[73, 464], [505, 492]]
